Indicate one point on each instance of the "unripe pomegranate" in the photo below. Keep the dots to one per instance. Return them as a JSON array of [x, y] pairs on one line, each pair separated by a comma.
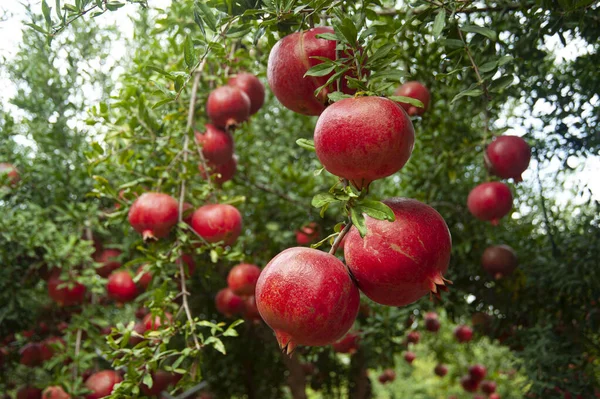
[[9, 172], [242, 279], [154, 214], [50, 346], [55, 392], [228, 106], [228, 303], [499, 260], [490, 201], [348, 344], [160, 382], [440, 370], [469, 384], [220, 173], [463, 333], [508, 156], [417, 91], [399, 262], [101, 383], [488, 387], [253, 88], [109, 260], [250, 311], [409, 357], [364, 139], [121, 287], [413, 337], [65, 293], [431, 322], [29, 393], [218, 222], [477, 372], [308, 234], [155, 322], [146, 277], [307, 297], [217, 145]]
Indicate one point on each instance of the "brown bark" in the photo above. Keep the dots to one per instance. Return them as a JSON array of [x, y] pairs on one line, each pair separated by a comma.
[[296, 380], [360, 385]]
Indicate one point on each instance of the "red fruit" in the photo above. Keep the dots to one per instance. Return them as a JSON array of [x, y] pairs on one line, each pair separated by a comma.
[[228, 106], [413, 337], [109, 261], [477, 372], [490, 201], [469, 384], [217, 145], [499, 260], [508, 156], [101, 383], [189, 266], [431, 322], [50, 346], [307, 297], [228, 303], [440, 370], [160, 382], [28, 333], [220, 173], [121, 287], [496, 396], [488, 387], [218, 222], [399, 262], [417, 91], [31, 355], [364, 139], [146, 277], [390, 374], [348, 344], [308, 234], [253, 88], [463, 334], [139, 328], [383, 378], [155, 322], [154, 214], [187, 210], [65, 293], [55, 392], [29, 393], [10, 173], [250, 311], [409, 357], [242, 279]]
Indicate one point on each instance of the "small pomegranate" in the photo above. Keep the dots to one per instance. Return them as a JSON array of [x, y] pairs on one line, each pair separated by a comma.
[[31, 355], [497, 396], [65, 293], [348, 344], [55, 392], [155, 322], [508, 156], [217, 145], [101, 383], [398, 262], [121, 287], [50, 346], [413, 337], [409, 357], [220, 173], [488, 387], [307, 297], [160, 382], [364, 139], [251, 310], [432, 323], [139, 328], [29, 393], [146, 277], [10, 173], [477, 372], [463, 333], [109, 260], [499, 260], [228, 303], [389, 375], [242, 279], [308, 234], [469, 384], [253, 88], [228, 106], [490, 201], [440, 370], [218, 222], [154, 214], [417, 91]]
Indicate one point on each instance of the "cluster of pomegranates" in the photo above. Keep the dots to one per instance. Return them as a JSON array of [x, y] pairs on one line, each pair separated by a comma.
[[474, 380], [238, 297]]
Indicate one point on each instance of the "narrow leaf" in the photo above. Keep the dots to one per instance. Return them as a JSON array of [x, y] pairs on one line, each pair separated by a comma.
[[487, 32], [410, 100], [321, 199], [467, 93], [376, 209], [358, 219], [207, 15], [46, 11], [322, 69], [189, 52], [306, 144], [439, 23]]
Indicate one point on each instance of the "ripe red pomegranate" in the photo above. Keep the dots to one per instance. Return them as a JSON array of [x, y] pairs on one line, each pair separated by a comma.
[[121, 287], [399, 262], [497, 396], [499, 260], [146, 277], [348, 344], [155, 322], [490, 201], [253, 88], [10, 173], [55, 392], [307, 297], [488, 387], [463, 333], [308, 234], [409, 357], [417, 91], [228, 303], [50, 346], [469, 384], [139, 328], [65, 293], [101, 383], [440, 370], [228, 106], [217, 145], [109, 260], [29, 393], [242, 279], [364, 139], [413, 337], [250, 311], [389, 375], [431, 322], [160, 382], [218, 222], [508, 156], [154, 214], [220, 173], [477, 372]]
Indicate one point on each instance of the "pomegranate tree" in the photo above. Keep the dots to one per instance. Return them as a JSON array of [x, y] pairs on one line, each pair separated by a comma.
[[101, 383], [398, 262], [253, 88], [508, 156], [499, 260], [228, 303], [50, 346], [490, 201], [242, 279], [154, 214], [364, 139], [463, 333], [228, 106], [11, 173], [55, 392], [307, 297], [121, 287], [109, 260], [416, 90], [217, 145], [308, 234], [218, 222], [66, 293]]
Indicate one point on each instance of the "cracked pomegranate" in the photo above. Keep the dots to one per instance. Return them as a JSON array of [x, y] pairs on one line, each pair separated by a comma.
[[154, 214]]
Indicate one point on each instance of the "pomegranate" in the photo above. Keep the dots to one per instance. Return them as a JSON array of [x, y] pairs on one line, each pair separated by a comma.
[[218, 222], [50, 346], [55, 392], [242, 279], [10, 173], [490, 201], [187, 210], [140, 329], [364, 139], [307, 297], [413, 337], [160, 382], [463, 333], [101, 383], [398, 262], [308, 234], [409, 357], [469, 384], [497, 396], [431, 322], [109, 260], [440, 370], [508, 156], [390, 375], [253, 88], [29, 393], [348, 344], [488, 387], [250, 310], [65, 293], [154, 214], [217, 145], [121, 287], [220, 173], [155, 322], [228, 303], [417, 91], [146, 277], [477, 372], [499, 260], [228, 106]]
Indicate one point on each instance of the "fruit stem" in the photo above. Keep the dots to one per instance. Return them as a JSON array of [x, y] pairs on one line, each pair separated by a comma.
[[340, 237]]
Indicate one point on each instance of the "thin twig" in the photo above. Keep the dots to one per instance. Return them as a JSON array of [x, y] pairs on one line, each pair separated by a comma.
[[555, 251], [266, 189], [340, 237], [77, 349], [81, 14]]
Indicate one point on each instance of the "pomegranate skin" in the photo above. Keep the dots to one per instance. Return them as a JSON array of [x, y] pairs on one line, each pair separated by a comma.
[[508, 156], [488, 387], [11, 172], [413, 337], [228, 106], [469, 384], [50, 346], [228, 303], [154, 214], [153, 323], [416, 90], [67, 295], [348, 344], [29, 393], [253, 88], [364, 139], [308, 234], [242, 279], [499, 260], [490, 201], [463, 333], [399, 262], [218, 222], [31, 355], [217, 145], [250, 310], [440, 370], [160, 382], [146, 277], [101, 383], [409, 357], [55, 392], [307, 297], [494, 396], [432, 323], [477, 372], [121, 287], [109, 261], [220, 173]]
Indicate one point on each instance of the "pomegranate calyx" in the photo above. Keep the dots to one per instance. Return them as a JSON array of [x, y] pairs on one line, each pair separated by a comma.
[[438, 284], [286, 343], [148, 235]]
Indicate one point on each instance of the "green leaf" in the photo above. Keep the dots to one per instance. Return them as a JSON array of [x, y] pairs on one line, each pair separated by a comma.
[[147, 380], [488, 66], [348, 31], [327, 36], [57, 10], [321, 69], [410, 100], [337, 96], [46, 11], [487, 32], [467, 93], [358, 219], [452, 43], [306, 144], [322, 199], [216, 343], [501, 83], [206, 14], [375, 209], [189, 52], [505, 60], [98, 148], [114, 5], [439, 23], [381, 53], [36, 28]]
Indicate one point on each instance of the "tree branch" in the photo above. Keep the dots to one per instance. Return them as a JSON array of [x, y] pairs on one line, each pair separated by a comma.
[[340, 237]]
